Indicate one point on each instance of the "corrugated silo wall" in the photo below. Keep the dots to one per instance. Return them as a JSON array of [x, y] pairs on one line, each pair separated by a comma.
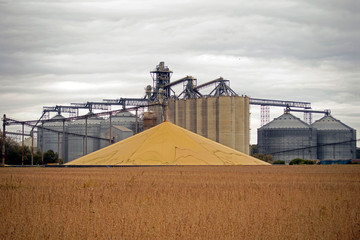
[[126, 121], [353, 144], [105, 133], [75, 144], [223, 119], [93, 144], [282, 142], [52, 140], [329, 151]]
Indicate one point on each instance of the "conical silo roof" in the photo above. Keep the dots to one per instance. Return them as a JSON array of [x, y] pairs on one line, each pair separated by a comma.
[[287, 120], [121, 116], [55, 121], [92, 119], [124, 114], [58, 117], [330, 123], [167, 144]]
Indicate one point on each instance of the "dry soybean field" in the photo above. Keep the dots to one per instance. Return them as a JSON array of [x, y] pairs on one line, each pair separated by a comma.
[[210, 202]]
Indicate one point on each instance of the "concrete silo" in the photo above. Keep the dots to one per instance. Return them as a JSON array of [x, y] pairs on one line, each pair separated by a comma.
[[224, 119], [51, 140], [285, 133], [336, 141], [80, 145]]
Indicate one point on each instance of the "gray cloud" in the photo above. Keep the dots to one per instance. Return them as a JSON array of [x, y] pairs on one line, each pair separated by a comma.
[[57, 52]]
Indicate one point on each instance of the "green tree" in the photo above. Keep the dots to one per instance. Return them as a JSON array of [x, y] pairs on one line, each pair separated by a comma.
[[299, 161], [254, 149], [12, 151], [279, 162], [50, 157], [37, 157]]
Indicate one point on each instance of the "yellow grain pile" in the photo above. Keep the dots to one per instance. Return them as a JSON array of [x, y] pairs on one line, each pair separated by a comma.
[[167, 144]]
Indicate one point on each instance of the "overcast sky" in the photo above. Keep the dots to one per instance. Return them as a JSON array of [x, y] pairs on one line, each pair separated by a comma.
[[63, 51]]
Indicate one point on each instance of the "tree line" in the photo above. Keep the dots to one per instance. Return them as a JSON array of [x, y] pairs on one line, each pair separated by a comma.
[[13, 154]]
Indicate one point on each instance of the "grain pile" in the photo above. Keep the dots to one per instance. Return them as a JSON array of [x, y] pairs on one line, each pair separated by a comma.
[[167, 144]]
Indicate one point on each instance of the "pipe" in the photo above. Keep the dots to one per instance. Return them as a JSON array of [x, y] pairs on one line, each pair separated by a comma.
[[86, 133], [110, 129], [136, 122], [58, 159], [42, 143], [22, 145], [4, 140], [63, 142], [32, 148]]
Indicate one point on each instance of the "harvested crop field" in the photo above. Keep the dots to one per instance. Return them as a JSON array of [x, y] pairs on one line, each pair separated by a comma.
[[201, 202]]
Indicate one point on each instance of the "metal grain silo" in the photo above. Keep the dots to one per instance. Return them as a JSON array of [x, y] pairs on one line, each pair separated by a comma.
[[118, 133], [123, 125], [52, 140], [77, 146], [284, 134], [126, 119], [336, 141]]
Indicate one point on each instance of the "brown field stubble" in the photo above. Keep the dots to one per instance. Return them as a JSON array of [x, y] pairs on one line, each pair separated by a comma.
[[262, 202]]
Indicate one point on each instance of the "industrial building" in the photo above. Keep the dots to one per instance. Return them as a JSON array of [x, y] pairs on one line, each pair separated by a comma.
[[123, 125], [220, 115], [330, 131], [167, 144], [84, 136], [287, 138], [224, 119], [47, 139], [284, 134], [76, 145]]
